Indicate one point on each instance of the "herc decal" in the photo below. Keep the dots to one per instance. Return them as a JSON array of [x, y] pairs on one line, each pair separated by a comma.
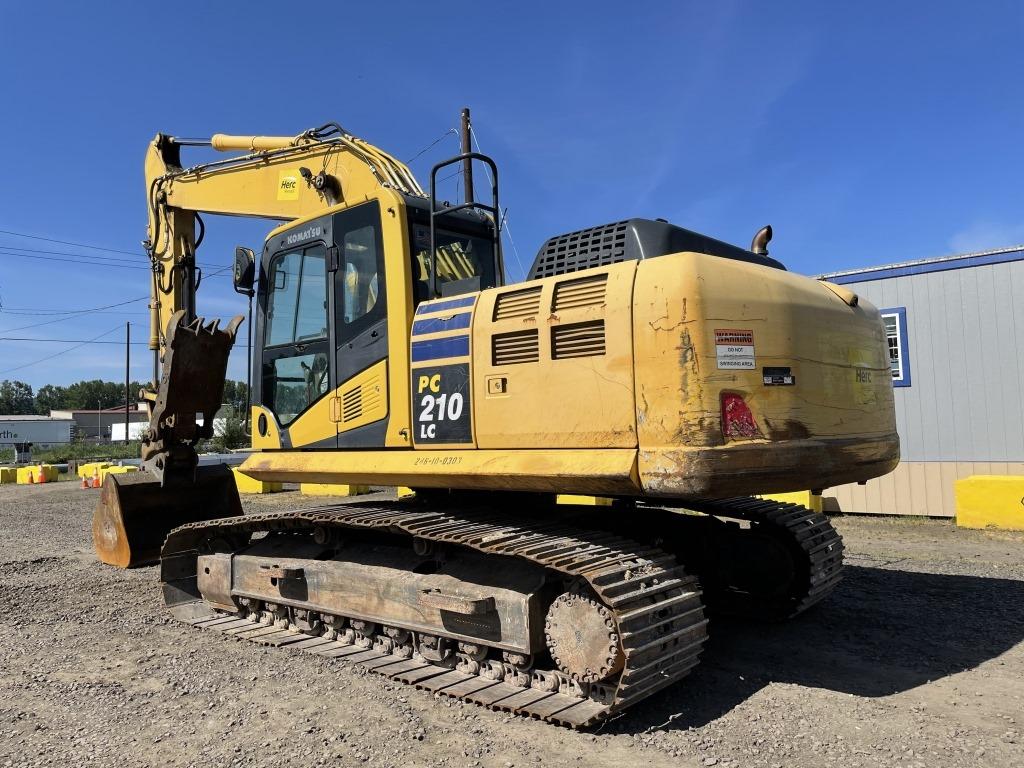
[[440, 404], [288, 185]]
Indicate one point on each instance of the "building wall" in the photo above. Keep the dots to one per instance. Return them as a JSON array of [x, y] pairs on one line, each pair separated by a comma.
[[42, 431], [913, 488], [963, 412]]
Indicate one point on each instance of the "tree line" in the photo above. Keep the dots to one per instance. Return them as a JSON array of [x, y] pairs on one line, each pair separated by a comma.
[[17, 397]]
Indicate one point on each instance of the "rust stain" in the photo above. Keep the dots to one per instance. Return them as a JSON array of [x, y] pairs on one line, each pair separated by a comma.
[[791, 429]]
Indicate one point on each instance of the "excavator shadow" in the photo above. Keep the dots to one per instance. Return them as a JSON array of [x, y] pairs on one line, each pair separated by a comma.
[[881, 632]]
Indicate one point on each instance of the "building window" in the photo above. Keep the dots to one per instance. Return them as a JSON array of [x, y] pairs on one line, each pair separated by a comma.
[[896, 337]]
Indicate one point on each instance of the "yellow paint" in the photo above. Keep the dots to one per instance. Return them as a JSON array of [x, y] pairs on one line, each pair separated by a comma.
[[599, 473], [803, 498], [258, 185], [246, 484], [573, 402], [840, 410], [371, 389], [990, 501], [36, 473], [8, 475], [313, 426], [332, 489], [405, 493], [571, 499], [273, 437]]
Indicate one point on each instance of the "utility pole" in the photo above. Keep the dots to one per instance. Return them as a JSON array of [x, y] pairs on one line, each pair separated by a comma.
[[127, 377], [467, 146]]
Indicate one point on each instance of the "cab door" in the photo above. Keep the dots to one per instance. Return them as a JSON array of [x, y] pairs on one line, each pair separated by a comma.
[[360, 405], [295, 377]]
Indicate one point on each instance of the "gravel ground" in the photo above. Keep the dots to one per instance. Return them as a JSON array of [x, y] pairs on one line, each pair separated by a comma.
[[916, 660]]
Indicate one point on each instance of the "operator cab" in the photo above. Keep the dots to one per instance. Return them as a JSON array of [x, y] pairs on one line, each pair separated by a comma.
[[323, 322]]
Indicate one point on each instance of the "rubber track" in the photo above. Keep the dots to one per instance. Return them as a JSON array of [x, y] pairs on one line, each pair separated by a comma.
[[656, 605], [811, 531]]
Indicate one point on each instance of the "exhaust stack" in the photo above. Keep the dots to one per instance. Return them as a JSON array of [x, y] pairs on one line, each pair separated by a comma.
[[759, 244]]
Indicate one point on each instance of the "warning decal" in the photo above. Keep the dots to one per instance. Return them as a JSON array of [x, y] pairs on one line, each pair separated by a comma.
[[734, 349]]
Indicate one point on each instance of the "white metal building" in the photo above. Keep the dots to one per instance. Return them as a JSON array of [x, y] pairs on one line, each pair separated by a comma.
[[41, 431], [956, 345]]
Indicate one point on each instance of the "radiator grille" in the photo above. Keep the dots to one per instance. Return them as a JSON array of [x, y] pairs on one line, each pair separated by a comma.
[[517, 304], [585, 292], [577, 340], [514, 348], [594, 247]]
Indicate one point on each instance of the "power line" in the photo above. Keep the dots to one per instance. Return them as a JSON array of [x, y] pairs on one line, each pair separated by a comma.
[[62, 352], [91, 257], [502, 219], [433, 144], [68, 341], [51, 312], [74, 314], [68, 242], [78, 260]]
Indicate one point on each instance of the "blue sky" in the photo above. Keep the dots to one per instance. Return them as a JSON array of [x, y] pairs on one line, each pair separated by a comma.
[[864, 133]]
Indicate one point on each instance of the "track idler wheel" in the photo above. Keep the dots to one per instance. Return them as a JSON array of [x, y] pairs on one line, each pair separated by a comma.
[[135, 513], [582, 638]]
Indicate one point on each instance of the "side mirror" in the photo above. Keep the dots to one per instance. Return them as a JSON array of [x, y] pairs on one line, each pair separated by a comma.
[[245, 270]]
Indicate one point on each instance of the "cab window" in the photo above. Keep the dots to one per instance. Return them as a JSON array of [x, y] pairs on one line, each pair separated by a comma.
[[360, 278], [465, 261], [295, 368]]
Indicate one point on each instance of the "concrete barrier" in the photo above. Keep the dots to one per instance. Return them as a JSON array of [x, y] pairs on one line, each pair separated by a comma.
[[36, 473], [586, 501], [91, 469], [990, 501], [115, 470], [332, 489], [803, 498]]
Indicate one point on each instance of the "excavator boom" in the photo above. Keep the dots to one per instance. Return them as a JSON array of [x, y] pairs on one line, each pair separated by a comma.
[[274, 180]]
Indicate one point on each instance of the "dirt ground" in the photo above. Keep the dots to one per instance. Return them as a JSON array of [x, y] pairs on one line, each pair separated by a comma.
[[916, 660]]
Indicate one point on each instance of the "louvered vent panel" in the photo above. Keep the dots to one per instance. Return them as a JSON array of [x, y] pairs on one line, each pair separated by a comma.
[[514, 348], [594, 247], [577, 340], [352, 404], [517, 304], [585, 292]]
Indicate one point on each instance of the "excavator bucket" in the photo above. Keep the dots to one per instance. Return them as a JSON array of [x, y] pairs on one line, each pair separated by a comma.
[[135, 512]]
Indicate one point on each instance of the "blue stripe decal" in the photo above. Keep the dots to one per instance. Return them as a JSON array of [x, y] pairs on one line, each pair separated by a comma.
[[921, 269], [437, 306], [435, 349], [438, 324]]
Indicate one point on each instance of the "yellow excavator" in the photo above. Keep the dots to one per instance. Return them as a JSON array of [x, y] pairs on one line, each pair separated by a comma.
[[677, 375]]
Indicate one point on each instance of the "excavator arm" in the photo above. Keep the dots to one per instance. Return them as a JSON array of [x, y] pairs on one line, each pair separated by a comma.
[[282, 178], [277, 177]]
